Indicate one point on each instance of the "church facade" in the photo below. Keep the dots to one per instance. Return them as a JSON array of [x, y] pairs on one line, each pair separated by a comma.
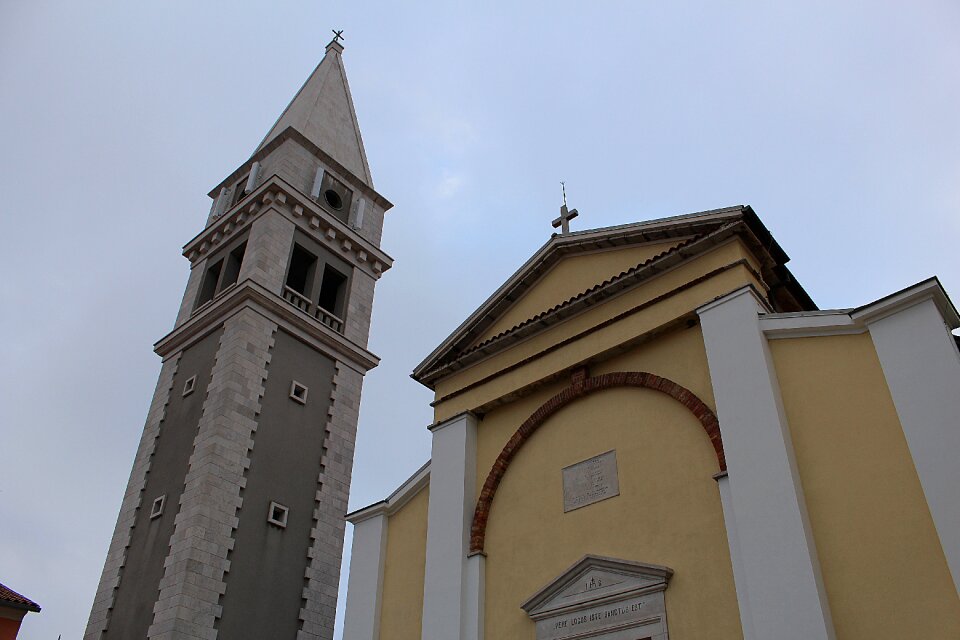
[[650, 431], [232, 522]]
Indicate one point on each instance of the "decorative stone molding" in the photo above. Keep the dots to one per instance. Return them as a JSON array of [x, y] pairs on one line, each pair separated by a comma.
[[580, 387], [290, 133], [275, 194], [603, 597], [251, 295], [694, 234], [395, 501]]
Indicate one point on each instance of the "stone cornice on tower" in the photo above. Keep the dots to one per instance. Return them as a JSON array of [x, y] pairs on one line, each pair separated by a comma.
[[276, 194], [291, 133], [249, 294]]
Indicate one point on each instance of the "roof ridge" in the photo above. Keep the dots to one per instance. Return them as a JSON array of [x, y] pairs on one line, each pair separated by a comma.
[[656, 221]]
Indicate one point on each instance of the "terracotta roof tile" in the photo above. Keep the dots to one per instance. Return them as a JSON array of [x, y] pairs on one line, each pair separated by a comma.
[[11, 598]]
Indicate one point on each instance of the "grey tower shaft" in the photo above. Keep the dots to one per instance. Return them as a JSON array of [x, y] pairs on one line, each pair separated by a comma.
[[232, 524]]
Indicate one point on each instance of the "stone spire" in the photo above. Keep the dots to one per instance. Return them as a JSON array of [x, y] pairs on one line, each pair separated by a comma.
[[323, 112]]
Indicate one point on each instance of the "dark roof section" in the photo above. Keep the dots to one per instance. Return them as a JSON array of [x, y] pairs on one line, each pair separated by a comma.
[[698, 231], [10, 598]]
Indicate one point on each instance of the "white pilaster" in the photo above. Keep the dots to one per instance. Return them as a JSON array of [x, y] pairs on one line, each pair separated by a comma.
[[922, 367], [453, 471], [365, 586], [736, 556], [780, 592], [473, 596]]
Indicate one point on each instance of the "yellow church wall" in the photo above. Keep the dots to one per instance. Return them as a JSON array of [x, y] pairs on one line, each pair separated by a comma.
[[678, 355], [668, 511], [402, 600], [496, 427], [542, 364], [572, 276], [884, 570]]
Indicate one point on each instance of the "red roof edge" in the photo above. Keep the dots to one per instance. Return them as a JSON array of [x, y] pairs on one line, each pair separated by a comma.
[[10, 598]]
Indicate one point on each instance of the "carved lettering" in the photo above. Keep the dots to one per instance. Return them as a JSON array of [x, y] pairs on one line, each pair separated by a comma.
[[611, 612], [590, 481]]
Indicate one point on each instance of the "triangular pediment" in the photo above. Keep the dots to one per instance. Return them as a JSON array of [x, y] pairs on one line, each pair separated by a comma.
[[570, 275], [577, 270], [596, 579]]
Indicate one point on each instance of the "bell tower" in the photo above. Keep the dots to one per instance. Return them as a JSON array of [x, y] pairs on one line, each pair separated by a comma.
[[232, 522]]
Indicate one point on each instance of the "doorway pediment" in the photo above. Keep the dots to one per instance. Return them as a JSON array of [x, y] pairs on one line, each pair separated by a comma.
[[601, 597]]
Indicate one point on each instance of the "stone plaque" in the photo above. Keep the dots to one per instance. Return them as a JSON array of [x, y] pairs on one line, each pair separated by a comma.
[[590, 481]]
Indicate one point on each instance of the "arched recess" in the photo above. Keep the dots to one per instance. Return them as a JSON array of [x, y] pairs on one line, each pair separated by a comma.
[[583, 386]]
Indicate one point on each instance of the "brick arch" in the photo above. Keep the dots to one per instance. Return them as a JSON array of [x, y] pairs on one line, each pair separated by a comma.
[[583, 386]]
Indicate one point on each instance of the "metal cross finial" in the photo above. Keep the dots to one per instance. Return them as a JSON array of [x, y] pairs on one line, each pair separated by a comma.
[[337, 35], [565, 215]]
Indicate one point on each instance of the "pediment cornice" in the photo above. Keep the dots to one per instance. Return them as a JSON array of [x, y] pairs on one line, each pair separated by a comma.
[[594, 580], [696, 233]]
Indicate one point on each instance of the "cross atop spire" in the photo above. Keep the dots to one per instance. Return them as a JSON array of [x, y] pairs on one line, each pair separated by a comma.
[[335, 43], [565, 215]]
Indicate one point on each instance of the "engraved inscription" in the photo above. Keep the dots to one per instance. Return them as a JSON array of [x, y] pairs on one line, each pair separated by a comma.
[[590, 481], [599, 614], [643, 616]]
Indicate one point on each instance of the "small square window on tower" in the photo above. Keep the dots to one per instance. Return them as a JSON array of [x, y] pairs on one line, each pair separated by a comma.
[[189, 385], [298, 392], [278, 515], [157, 509]]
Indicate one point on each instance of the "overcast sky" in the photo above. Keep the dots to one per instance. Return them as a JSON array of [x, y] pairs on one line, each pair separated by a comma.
[[838, 122]]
